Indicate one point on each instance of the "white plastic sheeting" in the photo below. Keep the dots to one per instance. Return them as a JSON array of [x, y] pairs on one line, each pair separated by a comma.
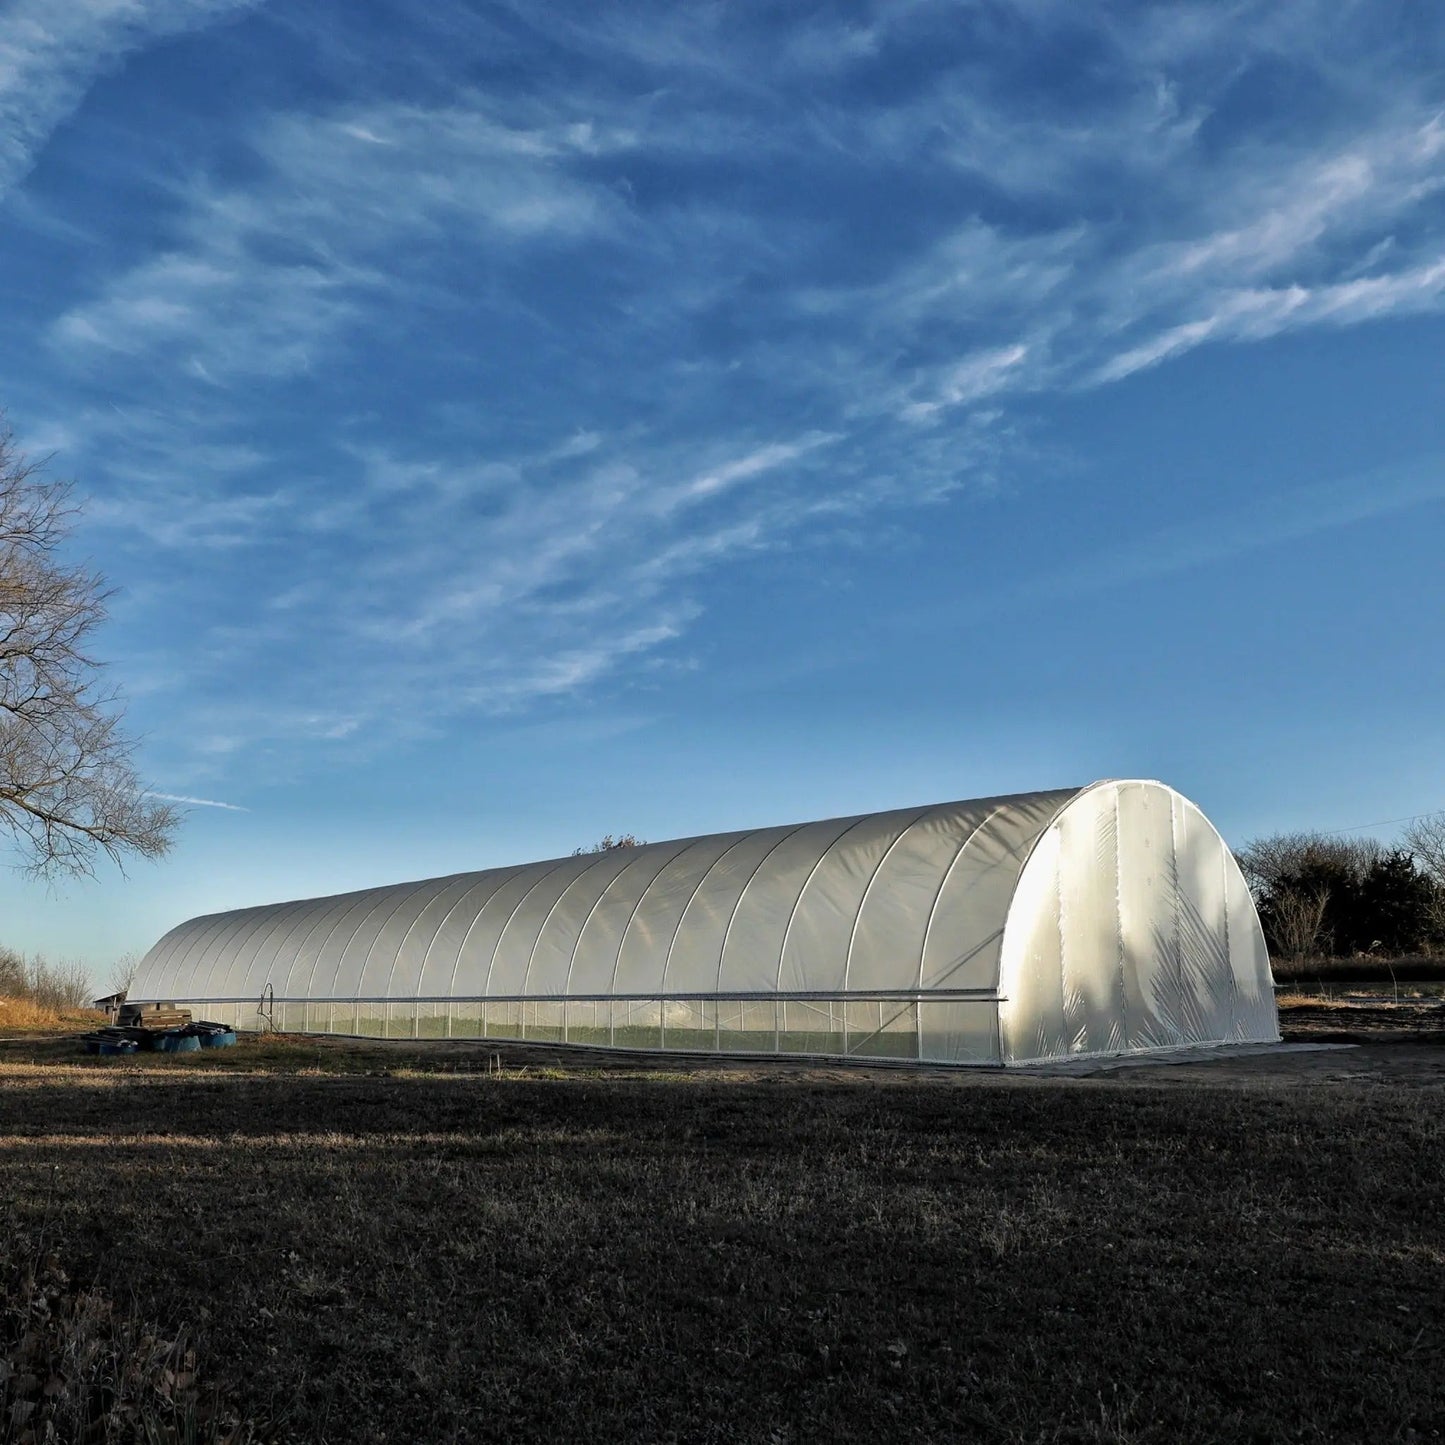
[[1131, 929], [1100, 920]]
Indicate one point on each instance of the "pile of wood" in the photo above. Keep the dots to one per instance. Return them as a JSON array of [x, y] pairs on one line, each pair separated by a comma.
[[152, 1016]]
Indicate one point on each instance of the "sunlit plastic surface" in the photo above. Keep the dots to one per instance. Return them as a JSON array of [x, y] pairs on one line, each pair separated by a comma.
[[1102, 920]]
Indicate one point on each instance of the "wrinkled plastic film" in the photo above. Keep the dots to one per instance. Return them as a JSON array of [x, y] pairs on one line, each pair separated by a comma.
[[1033, 1019], [965, 923], [1206, 978], [626, 946], [815, 952], [1095, 1004]]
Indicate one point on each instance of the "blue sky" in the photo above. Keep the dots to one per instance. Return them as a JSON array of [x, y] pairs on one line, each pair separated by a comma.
[[510, 423]]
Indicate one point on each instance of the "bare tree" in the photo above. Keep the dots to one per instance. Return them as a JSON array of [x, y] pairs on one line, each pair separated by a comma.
[[1268, 863], [123, 972], [606, 843], [1425, 838], [14, 975], [68, 792], [1297, 920], [53, 986]]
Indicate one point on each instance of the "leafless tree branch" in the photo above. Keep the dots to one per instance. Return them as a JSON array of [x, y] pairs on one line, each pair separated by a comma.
[[1267, 863], [1298, 920], [68, 791], [1425, 838]]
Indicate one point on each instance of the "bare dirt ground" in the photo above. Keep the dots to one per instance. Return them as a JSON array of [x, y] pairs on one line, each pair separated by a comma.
[[339, 1240], [1370, 1038], [1395, 1043]]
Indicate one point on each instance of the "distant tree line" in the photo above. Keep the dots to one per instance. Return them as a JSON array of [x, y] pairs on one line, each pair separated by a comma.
[[1321, 894], [37, 981]]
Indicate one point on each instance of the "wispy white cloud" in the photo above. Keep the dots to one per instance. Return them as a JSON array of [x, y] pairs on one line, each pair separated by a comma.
[[1309, 226], [591, 550], [684, 297], [577, 568], [980, 375], [51, 53], [170, 520], [523, 681], [1275, 244], [1256, 315], [260, 278], [218, 492]]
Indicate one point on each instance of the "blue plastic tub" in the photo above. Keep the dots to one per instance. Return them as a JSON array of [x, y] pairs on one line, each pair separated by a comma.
[[217, 1038], [114, 1046], [177, 1043]]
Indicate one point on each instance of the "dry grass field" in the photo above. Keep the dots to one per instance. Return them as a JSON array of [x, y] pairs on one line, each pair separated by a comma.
[[319, 1240], [23, 1014]]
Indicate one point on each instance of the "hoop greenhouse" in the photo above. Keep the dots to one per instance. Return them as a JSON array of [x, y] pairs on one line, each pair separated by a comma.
[[1101, 920]]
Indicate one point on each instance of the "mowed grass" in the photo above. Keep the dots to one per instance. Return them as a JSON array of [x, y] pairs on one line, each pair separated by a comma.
[[366, 1251]]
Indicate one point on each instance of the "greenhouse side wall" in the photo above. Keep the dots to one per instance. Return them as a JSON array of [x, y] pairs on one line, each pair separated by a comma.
[[921, 1029]]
